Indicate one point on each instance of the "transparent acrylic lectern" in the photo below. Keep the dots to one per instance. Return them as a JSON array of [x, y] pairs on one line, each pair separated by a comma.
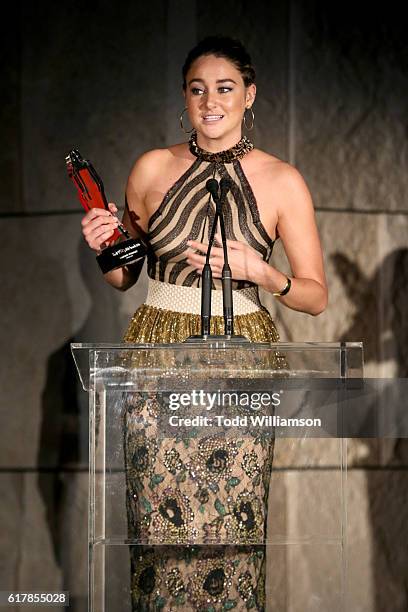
[[217, 475]]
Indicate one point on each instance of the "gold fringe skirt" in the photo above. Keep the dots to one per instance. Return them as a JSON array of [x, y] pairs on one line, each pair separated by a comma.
[[171, 313], [153, 324]]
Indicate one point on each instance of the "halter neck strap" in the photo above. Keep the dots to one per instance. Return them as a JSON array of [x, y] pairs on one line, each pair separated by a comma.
[[238, 151]]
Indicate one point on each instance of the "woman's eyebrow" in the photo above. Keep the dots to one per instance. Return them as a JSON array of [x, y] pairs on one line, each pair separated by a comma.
[[217, 81]]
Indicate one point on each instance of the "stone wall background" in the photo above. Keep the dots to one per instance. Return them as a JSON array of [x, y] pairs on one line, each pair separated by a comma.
[[104, 77]]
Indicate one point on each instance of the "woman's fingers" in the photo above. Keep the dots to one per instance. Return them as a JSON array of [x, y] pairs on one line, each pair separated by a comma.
[[240, 257], [95, 213], [198, 261], [195, 259], [100, 221], [98, 225], [102, 229], [99, 236], [200, 246], [231, 244], [215, 273], [100, 240]]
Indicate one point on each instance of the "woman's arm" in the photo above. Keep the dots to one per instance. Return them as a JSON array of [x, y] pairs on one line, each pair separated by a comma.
[[298, 232], [98, 224]]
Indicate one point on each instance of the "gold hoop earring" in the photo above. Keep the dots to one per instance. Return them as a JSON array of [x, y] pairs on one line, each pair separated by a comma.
[[181, 123], [251, 127]]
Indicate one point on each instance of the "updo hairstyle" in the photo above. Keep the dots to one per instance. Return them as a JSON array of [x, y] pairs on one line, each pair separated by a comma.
[[228, 48]]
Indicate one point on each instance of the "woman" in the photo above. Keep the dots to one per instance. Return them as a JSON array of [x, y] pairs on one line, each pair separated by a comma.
[[168, 200]]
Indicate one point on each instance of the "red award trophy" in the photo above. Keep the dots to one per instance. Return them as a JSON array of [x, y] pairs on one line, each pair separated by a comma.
[[121, 248]]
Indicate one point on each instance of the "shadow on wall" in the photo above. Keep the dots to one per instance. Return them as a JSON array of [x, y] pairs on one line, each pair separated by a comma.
[[381, 308], [63, 449], [384, 338]]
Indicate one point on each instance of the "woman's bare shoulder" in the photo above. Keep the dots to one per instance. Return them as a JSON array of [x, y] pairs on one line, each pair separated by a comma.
[[277, 170], [155, 161], [148, 161], [271, 163]]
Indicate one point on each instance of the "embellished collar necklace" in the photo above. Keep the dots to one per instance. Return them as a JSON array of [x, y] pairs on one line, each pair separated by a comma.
[[238, 151]]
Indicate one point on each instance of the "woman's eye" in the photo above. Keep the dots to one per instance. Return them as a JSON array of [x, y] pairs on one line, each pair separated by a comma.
[[196, 91]]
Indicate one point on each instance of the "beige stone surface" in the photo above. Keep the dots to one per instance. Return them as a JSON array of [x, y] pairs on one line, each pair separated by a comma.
[[365, 272], [181, 35], [11, 494], [314, 577], [38, 566], [43, 539], [314, 505], [263, 28], [307, 453], [304, 531], [60, 297], [91, 80], [314, 566], [10, 170], [360, 549], [73, 538], [377, 519], [276, 578], [388, 517], [351, 91], [117, 570]]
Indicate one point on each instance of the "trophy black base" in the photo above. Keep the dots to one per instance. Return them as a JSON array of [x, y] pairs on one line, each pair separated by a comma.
[[121, 254]]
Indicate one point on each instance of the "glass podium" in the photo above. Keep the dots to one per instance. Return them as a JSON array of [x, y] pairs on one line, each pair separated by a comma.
[[217, 475]]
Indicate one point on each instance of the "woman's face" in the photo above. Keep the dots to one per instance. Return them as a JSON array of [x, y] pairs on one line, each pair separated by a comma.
[[216, 98]]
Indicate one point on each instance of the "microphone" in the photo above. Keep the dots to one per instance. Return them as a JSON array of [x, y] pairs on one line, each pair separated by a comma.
[[226, 276], [206, 287], [225, 186], [212, 186], [219, 192]]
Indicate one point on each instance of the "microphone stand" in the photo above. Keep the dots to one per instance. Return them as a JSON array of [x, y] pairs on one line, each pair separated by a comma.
[[226, 277], [206, 287]]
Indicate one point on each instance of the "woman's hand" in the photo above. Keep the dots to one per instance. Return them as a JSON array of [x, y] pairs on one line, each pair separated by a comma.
[[98, 225], [245, 263]]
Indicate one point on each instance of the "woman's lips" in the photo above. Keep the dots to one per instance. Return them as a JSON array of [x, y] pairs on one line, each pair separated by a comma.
[[212, 118]]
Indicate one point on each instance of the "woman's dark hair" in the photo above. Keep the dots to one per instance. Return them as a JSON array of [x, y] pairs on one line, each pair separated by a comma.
[[222, 46]]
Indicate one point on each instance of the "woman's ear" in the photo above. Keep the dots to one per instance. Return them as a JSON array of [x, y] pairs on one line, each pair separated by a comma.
[[250, 95]]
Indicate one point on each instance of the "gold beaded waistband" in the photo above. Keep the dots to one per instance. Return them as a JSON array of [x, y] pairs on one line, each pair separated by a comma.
[[180, 298]]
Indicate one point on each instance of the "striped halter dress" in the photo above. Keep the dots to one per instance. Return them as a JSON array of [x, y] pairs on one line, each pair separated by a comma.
[[171, 311]]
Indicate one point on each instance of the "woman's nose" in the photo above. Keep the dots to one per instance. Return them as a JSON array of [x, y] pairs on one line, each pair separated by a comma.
[[210, 99]]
